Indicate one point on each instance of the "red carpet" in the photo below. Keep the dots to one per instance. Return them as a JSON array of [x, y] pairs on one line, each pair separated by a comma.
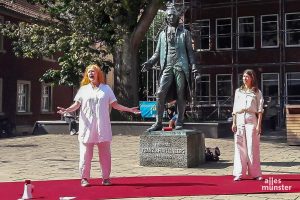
[[152, 186]]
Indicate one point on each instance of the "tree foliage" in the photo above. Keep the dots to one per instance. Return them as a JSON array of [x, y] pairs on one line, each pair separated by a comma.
[[145, 52], [83, 31]]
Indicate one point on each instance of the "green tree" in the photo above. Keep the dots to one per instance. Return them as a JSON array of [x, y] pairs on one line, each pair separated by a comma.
[[146, 50], [88, 31]]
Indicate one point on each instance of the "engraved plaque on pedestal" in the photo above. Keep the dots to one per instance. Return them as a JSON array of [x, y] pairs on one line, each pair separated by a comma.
[[178, 148]]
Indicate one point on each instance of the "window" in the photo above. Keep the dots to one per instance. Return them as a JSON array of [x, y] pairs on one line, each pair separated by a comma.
[[50, 58], [23, 96], [269, 31], [46, 101], [270, 85], [203, 88], [204, 34], [1, 95], [292, 28], [240, 80], [292, 87], [1, 36], [224, 88], [223, 33], [246, 32]]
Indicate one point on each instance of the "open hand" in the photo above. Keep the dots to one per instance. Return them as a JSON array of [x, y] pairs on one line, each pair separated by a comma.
[[258, 130], [61, 110], [135, 110], [146, 66], [234, 128]]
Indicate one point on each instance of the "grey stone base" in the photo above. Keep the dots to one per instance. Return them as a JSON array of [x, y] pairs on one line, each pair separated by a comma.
[[183, 148]]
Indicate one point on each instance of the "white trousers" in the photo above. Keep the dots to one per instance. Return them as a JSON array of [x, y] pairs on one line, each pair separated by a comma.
[[86, 155], [246, 155]]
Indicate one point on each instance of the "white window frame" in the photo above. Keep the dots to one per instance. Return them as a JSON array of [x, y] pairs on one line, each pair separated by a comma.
[[246, 33], [50, 59], [209, 89], [217, 95], [261, 30], [48, 96], [27, 97], [287, 31], [205, 36], [2, 50], [262, 81], [217, 36], [1, 95]]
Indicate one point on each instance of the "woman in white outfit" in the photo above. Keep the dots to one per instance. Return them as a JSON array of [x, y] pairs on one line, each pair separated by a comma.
[[94, 99], [246, 125]]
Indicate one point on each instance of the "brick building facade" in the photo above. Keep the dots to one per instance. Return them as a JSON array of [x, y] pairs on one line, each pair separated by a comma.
[[23, 99], [233, 35]]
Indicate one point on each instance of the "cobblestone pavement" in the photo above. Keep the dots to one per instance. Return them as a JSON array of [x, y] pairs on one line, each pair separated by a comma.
[[48, 157]]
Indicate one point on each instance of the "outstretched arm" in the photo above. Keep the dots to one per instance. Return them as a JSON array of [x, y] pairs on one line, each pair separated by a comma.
[[71, 108], [155, 57], [120, 107]]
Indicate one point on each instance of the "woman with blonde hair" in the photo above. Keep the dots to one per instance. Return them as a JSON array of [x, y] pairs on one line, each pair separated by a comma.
[[94, 99], [246, 125]]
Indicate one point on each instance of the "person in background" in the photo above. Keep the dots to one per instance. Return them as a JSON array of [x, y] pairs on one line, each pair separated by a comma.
[[246, 125], [172, 115], [70, 118], [94, 99], [271, 112]]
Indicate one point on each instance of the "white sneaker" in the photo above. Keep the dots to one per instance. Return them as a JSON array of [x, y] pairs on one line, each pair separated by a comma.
[[73, 132], [84, 182], [259, 178], [237, 178]]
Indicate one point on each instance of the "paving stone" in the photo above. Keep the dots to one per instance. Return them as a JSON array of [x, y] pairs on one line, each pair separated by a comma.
[[49, 157]]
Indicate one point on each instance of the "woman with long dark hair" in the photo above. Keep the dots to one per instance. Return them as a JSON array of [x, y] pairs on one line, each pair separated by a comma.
[[246, 125]]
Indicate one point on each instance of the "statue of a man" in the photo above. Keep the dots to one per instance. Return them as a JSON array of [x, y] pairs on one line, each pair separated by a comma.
[[175, 53]]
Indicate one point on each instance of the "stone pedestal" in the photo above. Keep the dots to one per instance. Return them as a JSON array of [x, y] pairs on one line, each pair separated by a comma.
[[182, 148]]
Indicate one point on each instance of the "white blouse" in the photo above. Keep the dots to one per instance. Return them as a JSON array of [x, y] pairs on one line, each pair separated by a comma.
[[94, 117], [249, 102]]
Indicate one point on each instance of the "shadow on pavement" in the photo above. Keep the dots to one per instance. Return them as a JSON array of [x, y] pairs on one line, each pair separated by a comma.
[[281, 164], [278, 136], [216, 164]]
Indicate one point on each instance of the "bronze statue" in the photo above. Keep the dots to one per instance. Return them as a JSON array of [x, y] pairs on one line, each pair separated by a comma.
[[175, 53]]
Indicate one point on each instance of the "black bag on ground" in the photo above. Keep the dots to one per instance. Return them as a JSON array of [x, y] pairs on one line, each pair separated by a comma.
[[212, 154]]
